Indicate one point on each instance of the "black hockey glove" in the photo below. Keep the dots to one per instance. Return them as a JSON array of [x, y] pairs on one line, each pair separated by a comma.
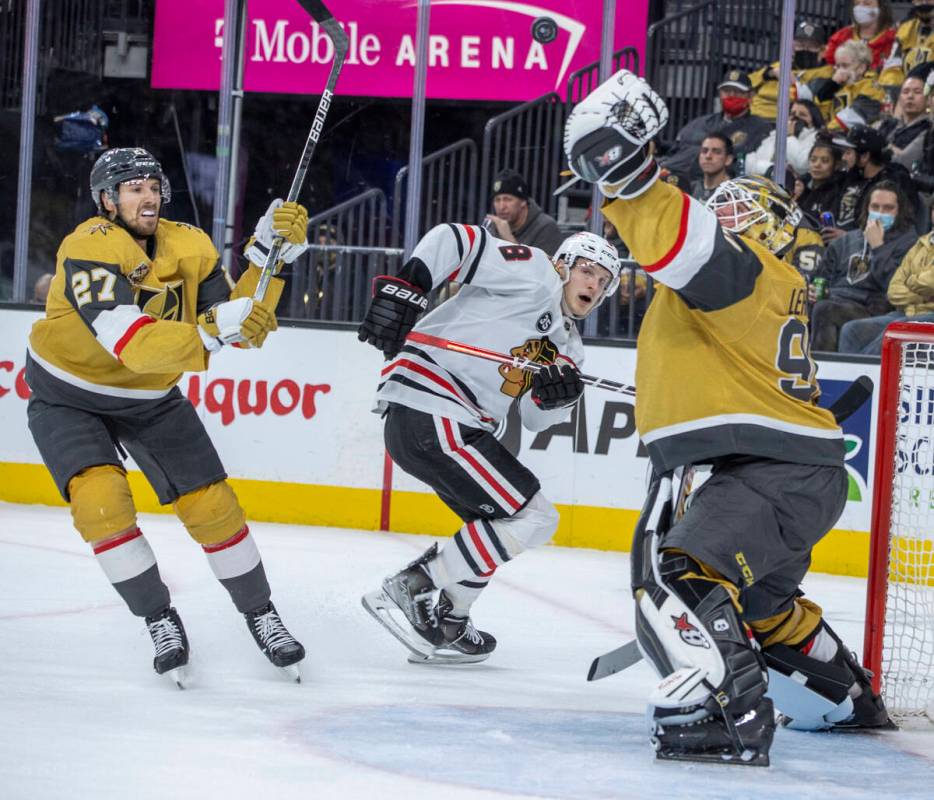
[[556, 386], [392, 313]]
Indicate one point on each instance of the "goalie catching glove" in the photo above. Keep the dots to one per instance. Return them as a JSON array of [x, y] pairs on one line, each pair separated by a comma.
[[235, 322], [556, 386], [608, 136], [288, 220], [392, 314]]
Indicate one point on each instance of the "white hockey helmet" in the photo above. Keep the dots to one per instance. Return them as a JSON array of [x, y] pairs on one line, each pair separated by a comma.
[[593, 248]]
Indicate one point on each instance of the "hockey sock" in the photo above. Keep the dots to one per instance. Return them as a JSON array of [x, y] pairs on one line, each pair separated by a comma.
[[237, 565], [130, 565], [464, 593], [473, 555]]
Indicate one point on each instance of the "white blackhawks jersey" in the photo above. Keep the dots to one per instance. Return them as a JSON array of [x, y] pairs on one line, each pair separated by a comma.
[[510, 302]]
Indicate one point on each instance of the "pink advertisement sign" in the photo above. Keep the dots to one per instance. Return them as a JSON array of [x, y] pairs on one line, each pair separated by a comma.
[[478, 49]]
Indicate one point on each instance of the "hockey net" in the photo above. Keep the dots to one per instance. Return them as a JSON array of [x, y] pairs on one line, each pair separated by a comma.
[[899, 639]]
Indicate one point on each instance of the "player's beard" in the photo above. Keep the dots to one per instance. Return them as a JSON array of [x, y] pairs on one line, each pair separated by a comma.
[[138, 227]]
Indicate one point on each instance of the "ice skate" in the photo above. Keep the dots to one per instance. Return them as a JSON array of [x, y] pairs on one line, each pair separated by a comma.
[[274, 639], [168, 637], [461, 642], [404, 606], [715, 738]]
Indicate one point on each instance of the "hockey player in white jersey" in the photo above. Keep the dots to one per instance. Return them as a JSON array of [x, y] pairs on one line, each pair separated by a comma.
[[441, 409]]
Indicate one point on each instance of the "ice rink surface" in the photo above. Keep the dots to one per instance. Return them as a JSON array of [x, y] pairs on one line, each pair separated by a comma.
[[82, 714]]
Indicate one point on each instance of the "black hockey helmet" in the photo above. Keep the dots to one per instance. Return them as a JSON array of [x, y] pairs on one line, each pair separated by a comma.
[[121, 164]]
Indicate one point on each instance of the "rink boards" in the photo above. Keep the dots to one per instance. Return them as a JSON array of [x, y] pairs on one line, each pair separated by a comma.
[[293, 425]]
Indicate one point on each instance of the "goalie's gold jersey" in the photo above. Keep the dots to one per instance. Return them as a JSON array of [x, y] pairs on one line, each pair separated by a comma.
[[117, 319], [723, 362]]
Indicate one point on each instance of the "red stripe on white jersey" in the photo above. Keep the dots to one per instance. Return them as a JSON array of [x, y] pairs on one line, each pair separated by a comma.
[[429, 374], [115, 327], [478, 467], [130, 333], [698, 230]]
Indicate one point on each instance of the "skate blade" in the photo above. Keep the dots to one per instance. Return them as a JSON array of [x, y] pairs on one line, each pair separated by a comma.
[[385, 611], [748, 758], [179, 675], [441, 658], [293, 672]]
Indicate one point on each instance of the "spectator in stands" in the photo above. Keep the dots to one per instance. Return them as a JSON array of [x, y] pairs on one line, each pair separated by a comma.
[[518, 218], [823, 184], [914, 45], [715, 159], [633, 286], [744, 130], [859, 265], [873, 24], [869, 164], [851, 91], [40, 290], [804, 122], [911, 291], [808, 46], [905, 130]]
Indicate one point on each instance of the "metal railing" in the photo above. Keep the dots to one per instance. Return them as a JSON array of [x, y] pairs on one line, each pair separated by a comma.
[[526, 138], [348, 249], [586, 79], [449, 189]]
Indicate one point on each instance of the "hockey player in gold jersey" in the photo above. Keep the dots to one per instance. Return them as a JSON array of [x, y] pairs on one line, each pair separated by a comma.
[[724, 377], [137, 300]]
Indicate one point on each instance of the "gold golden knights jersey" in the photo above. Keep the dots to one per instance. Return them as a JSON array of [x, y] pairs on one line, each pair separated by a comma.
[[723, 363], [806, 251], [122, 322], [914, 45]]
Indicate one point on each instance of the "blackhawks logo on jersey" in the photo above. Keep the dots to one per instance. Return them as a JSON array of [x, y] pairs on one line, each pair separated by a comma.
[[517, 381], [163, 302]]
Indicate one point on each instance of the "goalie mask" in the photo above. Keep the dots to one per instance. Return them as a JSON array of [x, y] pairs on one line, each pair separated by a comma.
[[121, 164], [759, 209], [594, 250]]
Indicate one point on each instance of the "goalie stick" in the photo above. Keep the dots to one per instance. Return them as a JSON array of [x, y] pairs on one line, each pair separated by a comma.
[[319, 12], [624, 656], [514, 361]]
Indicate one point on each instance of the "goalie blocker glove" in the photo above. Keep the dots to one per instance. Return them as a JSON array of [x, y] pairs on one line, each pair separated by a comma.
[[607, 138], [556, 386], [393, 312]]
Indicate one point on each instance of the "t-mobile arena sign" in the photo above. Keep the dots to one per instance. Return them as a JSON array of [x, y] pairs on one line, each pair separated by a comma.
[[478, 49]]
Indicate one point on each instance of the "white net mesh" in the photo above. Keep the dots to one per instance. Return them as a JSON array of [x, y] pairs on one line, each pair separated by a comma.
[[908, 637]]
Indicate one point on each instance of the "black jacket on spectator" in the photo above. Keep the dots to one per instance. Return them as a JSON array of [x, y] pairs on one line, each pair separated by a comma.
[[815, 200], [746, 132], [924, 176], [866, 284], [897, 174], [907, 138], [539, 230]]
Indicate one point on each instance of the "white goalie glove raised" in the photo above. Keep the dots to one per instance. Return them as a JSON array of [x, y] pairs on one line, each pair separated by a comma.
[[607, 136]]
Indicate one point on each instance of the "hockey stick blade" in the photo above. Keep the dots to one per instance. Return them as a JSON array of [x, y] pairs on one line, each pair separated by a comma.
[[623, 657], [852, 399], [319, 12], [514, 361]]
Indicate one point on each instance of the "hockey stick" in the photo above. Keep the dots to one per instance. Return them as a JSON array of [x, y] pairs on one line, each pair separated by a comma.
[[319, 12], [628, 654], [514, 361]]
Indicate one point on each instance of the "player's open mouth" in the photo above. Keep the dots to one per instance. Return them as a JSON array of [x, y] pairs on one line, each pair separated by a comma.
[[585, 298], [148, 213]]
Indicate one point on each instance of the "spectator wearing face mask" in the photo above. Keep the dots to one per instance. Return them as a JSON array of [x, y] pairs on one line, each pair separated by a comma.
[[851, 90], [735, 121], [911, 291], [914, 44], [859, 265], [804, 122], [807, 47], [905, 129], [873, 23]]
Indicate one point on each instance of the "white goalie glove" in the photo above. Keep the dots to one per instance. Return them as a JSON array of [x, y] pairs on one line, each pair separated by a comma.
[[288, 220], [608, 134]]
